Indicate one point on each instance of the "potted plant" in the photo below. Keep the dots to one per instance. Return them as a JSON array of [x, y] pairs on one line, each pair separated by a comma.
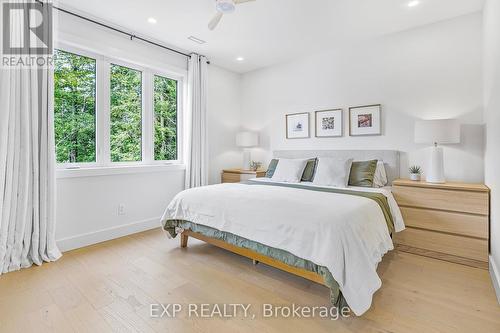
[[415, 172], [254, 166]]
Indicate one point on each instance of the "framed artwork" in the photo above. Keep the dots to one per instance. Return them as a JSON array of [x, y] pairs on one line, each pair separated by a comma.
[[365, 120], [329, 123], [297, 125]]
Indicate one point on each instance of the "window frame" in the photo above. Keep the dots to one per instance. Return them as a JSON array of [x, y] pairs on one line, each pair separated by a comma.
[[109, 62], [179, 117], [103, 110], [98, 97]]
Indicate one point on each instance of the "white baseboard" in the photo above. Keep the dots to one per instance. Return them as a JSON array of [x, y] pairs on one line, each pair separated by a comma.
[[78, 241], [495, 277]]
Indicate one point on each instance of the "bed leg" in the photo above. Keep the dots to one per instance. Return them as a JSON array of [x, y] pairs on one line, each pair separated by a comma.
[[255, 262], [184, 240]]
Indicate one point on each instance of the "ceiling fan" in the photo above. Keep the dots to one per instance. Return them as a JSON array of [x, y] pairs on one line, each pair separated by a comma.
[[223, 7]]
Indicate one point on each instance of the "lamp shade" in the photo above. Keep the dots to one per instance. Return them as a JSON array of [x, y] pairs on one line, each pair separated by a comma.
[[247, 139], [441, 131]]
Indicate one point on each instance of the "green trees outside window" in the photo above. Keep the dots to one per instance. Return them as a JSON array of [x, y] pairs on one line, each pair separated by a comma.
[[165, 114], [77, 115], [126, 114], [74, 108]]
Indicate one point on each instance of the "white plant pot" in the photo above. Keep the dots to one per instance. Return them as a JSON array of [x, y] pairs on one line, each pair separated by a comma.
[[415, 176]]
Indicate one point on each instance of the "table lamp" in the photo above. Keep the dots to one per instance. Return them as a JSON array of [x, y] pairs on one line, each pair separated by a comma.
[[247, 140], [437, 132]]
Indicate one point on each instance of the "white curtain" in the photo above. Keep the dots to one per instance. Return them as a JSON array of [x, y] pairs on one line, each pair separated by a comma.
[[196, 145], [27, 162]]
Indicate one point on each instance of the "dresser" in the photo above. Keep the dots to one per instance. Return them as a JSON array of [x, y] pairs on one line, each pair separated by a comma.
[[444, 221], [239, 175]]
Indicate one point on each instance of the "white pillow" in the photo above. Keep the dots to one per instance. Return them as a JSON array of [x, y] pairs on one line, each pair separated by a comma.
[[289, 170], [332, 172], [380, 176]]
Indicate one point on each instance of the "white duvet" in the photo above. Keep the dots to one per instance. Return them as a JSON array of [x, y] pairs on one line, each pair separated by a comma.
[[345, 233]]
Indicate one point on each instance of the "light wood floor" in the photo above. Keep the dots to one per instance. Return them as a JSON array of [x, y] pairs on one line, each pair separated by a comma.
[[109, 287]]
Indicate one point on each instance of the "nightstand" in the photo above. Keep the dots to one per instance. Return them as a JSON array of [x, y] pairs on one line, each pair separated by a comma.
[[238, 175], [444, 221]]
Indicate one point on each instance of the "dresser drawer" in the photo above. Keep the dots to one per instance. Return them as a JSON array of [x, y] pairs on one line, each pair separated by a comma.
[[455, 223], [466, 247], [452, 200], [231, 178], [236, 177]]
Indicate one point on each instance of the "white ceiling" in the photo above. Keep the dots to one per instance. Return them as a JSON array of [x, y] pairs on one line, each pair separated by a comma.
[[267, 32]]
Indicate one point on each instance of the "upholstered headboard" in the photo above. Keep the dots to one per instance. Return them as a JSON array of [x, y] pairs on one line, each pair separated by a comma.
[[390, 157]]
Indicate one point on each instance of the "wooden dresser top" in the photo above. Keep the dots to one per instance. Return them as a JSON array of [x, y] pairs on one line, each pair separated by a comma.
[[444, 186], [243, 172]]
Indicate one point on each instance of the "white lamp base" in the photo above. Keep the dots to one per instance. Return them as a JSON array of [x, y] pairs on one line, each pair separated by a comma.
[[246, 159], [436, 167]]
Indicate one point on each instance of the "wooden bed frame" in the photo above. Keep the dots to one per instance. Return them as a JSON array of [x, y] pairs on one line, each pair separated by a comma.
[[256, 257]]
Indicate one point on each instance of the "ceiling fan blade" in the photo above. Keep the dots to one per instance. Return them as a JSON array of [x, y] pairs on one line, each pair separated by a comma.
[[215, 20], [237, 2]]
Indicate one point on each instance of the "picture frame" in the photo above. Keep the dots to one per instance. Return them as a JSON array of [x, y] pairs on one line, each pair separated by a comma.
[[365, 120], [297, 125], [329, 123]]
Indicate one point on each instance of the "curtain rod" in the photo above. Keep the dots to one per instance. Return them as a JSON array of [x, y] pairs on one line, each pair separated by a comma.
[[132, 36]]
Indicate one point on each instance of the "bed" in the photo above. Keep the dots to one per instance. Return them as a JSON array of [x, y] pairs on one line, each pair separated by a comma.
[[332, 236]]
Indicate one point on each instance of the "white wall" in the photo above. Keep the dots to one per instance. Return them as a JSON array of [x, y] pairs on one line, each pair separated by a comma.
[[223, 121], [87, 206], [101, 40], [492, 119], [429, 72]]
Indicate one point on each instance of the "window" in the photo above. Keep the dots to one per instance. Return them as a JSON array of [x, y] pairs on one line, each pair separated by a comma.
[[165, 115], [108, 112], [74, 108], [126, 114]]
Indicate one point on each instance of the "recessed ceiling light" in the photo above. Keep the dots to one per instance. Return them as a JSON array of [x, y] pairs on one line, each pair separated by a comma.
[[413, 3], [196, 40], [240, 59], [152, 20]]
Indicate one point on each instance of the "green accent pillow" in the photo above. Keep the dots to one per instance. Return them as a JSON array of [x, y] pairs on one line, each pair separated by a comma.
[[362, 173], [308, 174], [271, 168]]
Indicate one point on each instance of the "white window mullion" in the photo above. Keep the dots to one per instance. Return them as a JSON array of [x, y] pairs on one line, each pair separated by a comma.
[[181, 101], [105, 114], [147, 118], [99, 112]]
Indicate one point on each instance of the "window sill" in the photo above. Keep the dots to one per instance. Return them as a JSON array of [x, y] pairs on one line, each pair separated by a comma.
[[116, 170]]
